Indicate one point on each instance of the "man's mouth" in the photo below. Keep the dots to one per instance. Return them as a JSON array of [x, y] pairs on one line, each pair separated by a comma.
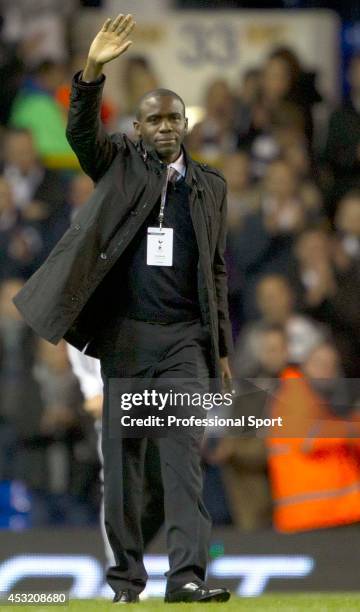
[[166, 140]]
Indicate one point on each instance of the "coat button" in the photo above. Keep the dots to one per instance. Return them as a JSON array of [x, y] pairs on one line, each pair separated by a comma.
[[133, 212], [103, 256], [77, 227]]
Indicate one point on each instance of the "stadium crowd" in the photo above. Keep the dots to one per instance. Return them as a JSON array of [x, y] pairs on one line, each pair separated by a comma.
[[294, 283]]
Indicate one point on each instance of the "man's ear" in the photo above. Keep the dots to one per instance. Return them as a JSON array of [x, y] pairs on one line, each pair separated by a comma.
[[186, 125], [136, 125]]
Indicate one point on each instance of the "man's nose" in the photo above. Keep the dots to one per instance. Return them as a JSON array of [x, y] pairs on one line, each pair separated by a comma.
[[165, 126]]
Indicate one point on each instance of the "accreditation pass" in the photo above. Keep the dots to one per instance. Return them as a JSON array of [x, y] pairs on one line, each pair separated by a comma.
[[159, 246]]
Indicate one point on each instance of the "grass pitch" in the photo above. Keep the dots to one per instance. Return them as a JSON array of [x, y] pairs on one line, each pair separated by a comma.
[[316, 602]]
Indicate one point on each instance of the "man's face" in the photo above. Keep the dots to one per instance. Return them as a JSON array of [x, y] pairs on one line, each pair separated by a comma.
[[162, 126], [19, 151]]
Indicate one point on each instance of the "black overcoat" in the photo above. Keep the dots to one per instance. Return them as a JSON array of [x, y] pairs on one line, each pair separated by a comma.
[[58, 300]]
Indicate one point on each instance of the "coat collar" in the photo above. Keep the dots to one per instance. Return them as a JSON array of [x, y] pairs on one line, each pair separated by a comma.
[[150, 157]]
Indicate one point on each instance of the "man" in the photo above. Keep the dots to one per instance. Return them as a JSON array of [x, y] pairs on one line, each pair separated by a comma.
[[102, 288], [342, 150]]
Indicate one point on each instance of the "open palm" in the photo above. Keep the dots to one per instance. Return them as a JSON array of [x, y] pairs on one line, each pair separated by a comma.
[[112, 41]]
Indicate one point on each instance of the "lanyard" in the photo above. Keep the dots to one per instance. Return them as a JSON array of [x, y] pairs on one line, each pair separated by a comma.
[[163, 197]]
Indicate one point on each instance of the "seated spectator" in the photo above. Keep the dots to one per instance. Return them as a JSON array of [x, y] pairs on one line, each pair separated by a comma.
[[246, 96], [242, 197], [11, 67], [342, 151], [264, 242], [275, 302], [21, 242], [347, 223], [287, 94], [65, 438], [327, 286], [18, 395], [36, 109], [294, 149], [59, 388], [315, 466], [215, 135], [38, 193], [80, 189], [242, 458]]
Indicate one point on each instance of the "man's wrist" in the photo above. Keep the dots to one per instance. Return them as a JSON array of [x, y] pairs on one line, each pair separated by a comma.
[[92, 71]]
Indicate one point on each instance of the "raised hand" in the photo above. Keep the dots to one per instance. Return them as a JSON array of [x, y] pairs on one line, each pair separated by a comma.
[[111, 42]]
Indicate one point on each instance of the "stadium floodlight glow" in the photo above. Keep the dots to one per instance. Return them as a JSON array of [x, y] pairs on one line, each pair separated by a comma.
[[258, 570], [86, 572]]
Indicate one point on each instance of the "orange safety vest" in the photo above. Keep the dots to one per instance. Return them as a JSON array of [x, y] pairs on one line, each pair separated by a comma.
[[315, 481]]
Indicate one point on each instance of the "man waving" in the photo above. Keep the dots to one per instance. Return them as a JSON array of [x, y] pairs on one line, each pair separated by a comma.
[[139, 281]]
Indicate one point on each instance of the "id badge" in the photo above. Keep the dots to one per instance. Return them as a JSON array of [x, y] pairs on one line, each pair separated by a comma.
[[159, 250]]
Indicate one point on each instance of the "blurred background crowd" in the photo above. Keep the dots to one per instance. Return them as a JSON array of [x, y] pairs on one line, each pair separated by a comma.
[[291, 158]]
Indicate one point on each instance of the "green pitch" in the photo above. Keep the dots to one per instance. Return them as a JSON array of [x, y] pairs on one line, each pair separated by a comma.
[[317, 602]]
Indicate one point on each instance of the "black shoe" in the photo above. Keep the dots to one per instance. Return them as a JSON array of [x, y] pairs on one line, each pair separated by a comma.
[[126, 596], [191, 592]]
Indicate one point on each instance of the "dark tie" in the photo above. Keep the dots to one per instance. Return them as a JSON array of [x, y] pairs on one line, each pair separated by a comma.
[[173, 175]]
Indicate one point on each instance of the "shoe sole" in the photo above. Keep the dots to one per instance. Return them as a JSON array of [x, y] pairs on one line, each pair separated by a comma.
[[220, 597]]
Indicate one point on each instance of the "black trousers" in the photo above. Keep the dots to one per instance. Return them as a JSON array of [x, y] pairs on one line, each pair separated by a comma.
[[141, 350]]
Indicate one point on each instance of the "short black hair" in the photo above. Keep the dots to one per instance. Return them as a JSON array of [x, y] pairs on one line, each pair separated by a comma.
[[157, 93]]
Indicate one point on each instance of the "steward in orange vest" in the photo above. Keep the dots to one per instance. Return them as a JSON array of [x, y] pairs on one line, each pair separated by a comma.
[[315, 481]]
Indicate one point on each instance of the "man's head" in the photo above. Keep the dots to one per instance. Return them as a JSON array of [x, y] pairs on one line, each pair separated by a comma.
[[322, 362], [280, 180], [272, 350], [347, 219], [19, 150], [161, 123], [274, 299]]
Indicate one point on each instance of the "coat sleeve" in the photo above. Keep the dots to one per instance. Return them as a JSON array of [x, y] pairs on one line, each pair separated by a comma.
[[94, 148], [221, 286]]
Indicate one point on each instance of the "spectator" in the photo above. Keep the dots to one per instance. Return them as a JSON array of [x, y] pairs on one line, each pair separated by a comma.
[[315, 480], [327, 287], [80, 190], [246, 96], [275, 302], [263, 245], [17, 390], [215, 134], [69, 462], [242, 198], [41, 30], [301, 88], [21, 243], [342, 152], [11, 68], [243, 458], [347, 223], [36, 109], [138, 77], [293, 147], [38, 192], [59, 389], [287, 94]]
